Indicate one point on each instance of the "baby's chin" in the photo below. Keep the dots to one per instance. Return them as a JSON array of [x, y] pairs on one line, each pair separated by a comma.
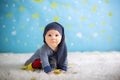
[[53, 46]]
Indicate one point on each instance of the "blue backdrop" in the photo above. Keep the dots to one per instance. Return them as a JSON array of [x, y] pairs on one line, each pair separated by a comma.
[[90, 25]]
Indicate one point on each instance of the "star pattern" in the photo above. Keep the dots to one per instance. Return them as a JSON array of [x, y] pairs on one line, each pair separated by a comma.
[[89, 25]]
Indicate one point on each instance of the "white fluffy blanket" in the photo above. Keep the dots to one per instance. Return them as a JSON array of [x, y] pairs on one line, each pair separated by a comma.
[[82, 66]]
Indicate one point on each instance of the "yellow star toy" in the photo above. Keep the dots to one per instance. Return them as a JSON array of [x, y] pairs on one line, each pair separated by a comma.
[[57, 71]]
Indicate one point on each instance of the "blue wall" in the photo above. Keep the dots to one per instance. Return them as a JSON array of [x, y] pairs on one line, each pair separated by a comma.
[[90, 25]]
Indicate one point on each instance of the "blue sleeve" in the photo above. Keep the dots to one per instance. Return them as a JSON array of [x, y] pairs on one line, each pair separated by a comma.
[[44, 58], [65, 66], [33, 57]]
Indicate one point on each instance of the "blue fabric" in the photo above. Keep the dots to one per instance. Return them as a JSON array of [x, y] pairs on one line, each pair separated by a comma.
[[64, 68], [47, 69]]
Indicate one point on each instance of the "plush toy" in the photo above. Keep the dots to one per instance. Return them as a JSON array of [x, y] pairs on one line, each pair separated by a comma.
[[28, 67], [23, 68], [57, 71], [33, 78]]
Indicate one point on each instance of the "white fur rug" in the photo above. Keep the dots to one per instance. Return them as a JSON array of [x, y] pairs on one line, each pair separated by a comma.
[[82, 66]]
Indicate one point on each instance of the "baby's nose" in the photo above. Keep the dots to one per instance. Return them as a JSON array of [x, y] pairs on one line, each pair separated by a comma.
[[53, 37]]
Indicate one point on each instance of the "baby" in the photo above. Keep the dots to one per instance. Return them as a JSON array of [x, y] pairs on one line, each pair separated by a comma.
[[53, 53]]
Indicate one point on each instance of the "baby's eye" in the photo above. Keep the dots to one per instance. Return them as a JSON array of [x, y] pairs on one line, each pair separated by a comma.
[[49, 35], [56, 35]]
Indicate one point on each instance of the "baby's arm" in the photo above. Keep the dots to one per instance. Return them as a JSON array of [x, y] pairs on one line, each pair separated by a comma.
[[65, 66]]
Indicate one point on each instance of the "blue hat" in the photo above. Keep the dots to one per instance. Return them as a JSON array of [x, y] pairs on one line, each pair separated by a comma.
[[54, 26]]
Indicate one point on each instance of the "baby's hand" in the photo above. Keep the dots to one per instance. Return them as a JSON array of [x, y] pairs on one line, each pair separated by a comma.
[[62, 71], [50, 73]]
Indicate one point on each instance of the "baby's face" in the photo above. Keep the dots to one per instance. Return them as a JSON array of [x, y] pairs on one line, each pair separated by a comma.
[[53, 38]]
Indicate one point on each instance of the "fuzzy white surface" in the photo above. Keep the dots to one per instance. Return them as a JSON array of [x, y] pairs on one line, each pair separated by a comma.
[[83, 66]]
